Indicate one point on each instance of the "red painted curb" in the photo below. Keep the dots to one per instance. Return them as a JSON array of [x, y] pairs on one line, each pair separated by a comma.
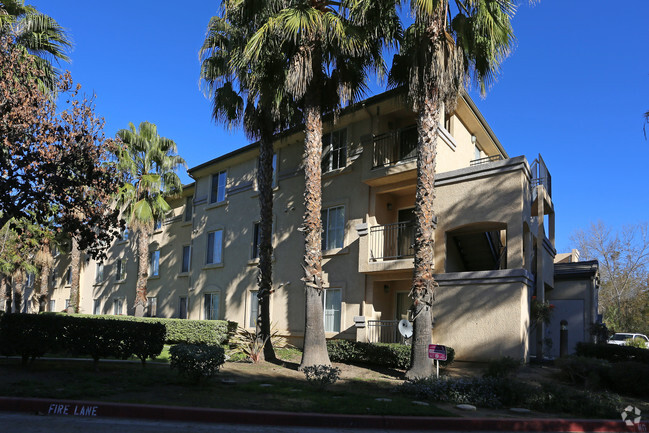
[[56, 407]]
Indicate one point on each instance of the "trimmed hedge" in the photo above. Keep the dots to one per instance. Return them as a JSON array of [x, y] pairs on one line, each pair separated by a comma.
[[196, 361], [381, 354], [33, 335], [613, 352], [184, 330]]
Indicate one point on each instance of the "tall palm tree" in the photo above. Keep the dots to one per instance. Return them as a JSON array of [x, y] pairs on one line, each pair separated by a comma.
[[250, 93], [148, 163], [38, 34], [448, 43], [328, 48]]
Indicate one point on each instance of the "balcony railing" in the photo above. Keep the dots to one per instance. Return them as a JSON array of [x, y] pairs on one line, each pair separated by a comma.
[[392, 241], [485, 160], [395, 146], [384, 331], [541, 175]]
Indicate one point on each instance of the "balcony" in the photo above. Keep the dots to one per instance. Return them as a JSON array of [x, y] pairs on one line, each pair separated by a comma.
[[394, 147], [541, 175], [486, 160], [392, 241]]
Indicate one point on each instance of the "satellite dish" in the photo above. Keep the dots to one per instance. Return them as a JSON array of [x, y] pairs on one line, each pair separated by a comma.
[[405, 328]]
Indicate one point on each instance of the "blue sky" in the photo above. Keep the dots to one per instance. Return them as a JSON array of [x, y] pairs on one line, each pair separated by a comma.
[[574, 90]]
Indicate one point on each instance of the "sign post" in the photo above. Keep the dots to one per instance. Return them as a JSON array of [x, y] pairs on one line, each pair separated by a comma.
[[438, 353]]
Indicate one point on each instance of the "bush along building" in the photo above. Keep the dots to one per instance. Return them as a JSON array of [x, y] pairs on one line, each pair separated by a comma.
[[494, 250]]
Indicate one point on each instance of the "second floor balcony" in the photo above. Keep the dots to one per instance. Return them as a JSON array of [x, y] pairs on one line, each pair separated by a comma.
[[393, 147], [392, 241]]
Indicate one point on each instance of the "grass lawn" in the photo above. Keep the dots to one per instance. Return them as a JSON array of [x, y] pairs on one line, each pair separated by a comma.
[[261, 386]]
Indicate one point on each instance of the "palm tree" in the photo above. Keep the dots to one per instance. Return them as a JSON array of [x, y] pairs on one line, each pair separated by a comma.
[[448, 42], [250, 93], [38, 34], [328, 47], [148, 164]]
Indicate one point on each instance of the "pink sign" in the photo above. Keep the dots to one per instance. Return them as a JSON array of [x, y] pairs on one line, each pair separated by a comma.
[[437, 351]]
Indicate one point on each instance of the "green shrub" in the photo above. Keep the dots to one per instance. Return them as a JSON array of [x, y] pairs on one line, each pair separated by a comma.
[[493, 392], [321, 375], [30, 336], [33, 335], [502, 367], [613, 352], [184, 330], [379, 354], [196, 361], [580, 370], [629, 378]]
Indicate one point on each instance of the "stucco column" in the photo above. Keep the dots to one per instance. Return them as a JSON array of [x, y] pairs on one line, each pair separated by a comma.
[[540, 283]]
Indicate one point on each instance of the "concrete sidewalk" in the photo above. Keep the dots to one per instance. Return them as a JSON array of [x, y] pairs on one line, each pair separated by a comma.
[[75, 408]]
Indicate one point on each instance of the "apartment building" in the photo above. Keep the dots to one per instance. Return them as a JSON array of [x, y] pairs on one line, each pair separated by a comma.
[[494, 239]]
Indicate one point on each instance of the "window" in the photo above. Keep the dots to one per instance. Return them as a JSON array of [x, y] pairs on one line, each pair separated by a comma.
[[154, 263], [334, 150], [118, 306], [476, 152], [189, 208], [99, 273], [125, 233], [120, 273], [331, 300], [68, 276], [157, 225], [187, 256], [96, 307], [214, 245], [182, 307], [211, 306], [256, 240], [67, 304], [217, 194], [254, 308], [333, 227], [55, 276], [30, 279], [151, 306], [52, 305]]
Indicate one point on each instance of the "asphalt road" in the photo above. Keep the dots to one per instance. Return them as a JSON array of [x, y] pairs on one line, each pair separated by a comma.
[[27, 423]]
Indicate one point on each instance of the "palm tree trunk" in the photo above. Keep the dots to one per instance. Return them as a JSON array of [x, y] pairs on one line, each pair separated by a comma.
[[265, 185], [315, 343], [18, 291], [423, 283], [143, 240], [44, 276], [5, 293], [75, 265]]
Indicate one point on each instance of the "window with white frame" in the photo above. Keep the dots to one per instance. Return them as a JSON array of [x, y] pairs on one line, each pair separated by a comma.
[[151, 306], [189, 203], [99, 273], [154, 263], [214, 247], [254, 308], [55, 276], [68, 276], [332, 306], [217, 192], [120, 271], [118, 306], [333, 227], [67, 304], [96, 307], [52, 305], [182, 307], [211, 306], [186, 259], [334, 150]]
